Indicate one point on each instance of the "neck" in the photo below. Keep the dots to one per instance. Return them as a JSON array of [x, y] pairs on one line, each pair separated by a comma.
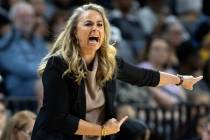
[[89, 58]]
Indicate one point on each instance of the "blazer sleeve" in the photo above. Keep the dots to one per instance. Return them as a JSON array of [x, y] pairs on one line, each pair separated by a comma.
[[57, 98], [135, 75]]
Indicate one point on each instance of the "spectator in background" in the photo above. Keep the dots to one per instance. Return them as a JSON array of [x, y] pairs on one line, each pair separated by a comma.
[[53, 6], [57, 23], [22, 15], [4, 25], [153, 13], [190, 14], [165, 96], [42, 28], [190, 63], [7, 4], [206, 132], [195, 128], [206, 7], [206, 80], [41, 22], [19, 126], [123, 49], [205, 49], [39, 7], [3, 114], [189, 59], [202, 89], [175, 34], [22, 51], [124, 17], [201, 31]]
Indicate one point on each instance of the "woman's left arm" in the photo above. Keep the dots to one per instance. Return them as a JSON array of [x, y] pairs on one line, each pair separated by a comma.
[[186, 81], [145, 77]]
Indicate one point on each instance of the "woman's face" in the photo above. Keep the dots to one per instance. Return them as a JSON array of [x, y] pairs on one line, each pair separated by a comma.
[[25, 134], [90, 31], [25, 19], [159, 52], [175, 34]]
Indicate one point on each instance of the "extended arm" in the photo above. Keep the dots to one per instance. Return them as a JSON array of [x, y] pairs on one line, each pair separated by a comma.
[[145, 77], [188, 81]]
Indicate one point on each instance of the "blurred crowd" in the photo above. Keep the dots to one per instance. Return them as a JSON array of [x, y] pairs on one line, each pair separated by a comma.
[[166, 35]]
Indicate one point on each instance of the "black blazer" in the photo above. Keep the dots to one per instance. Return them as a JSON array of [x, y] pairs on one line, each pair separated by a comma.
[[64, 101]]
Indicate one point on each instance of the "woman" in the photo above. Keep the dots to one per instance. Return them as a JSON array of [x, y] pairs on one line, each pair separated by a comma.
[[165, 96], [79, 76], [19, 126]]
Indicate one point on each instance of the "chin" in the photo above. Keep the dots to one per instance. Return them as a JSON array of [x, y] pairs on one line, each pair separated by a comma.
[[96, 47]]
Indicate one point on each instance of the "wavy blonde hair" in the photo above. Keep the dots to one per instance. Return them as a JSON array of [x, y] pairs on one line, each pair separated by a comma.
[[67, 46]]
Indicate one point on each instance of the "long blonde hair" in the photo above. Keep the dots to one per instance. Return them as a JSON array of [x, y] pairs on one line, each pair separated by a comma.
[[18, 121], [67, 46]]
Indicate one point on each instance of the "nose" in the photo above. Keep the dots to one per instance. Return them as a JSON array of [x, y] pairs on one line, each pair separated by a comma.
[[95, 28]]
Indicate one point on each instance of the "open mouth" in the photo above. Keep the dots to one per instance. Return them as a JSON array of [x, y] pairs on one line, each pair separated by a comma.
[[93, 39]]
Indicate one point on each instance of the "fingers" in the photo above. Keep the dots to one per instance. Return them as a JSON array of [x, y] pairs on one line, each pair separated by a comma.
[[113, 120], [198, 78], [189, 81], [113, 125], [123, 120]]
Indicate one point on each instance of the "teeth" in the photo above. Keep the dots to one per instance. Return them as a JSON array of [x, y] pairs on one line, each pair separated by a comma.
[[92, 41]]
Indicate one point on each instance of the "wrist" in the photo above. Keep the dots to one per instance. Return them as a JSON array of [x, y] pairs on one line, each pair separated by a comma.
[[103, 131], [181, 80]]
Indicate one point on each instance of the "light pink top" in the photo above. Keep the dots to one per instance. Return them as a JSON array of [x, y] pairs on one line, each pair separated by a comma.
[[94, 99]]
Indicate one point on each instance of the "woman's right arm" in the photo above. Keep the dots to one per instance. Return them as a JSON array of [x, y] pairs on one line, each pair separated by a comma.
[[112, 126]]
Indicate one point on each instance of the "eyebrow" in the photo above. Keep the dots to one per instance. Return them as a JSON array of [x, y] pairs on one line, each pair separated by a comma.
[[92, 21]]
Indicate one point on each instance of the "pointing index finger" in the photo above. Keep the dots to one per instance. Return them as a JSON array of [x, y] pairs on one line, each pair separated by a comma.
[[198, 78], [123, 120]]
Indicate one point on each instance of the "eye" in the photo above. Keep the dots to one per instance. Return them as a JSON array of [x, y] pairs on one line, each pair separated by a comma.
[[88, 24], [99, 24]]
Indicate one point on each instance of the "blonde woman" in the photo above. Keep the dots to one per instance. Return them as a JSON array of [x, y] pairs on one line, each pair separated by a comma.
[[79, 76], [19, 126]]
